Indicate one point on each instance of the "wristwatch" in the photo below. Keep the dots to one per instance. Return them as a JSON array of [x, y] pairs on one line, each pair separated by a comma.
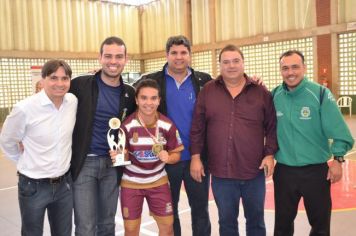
[[339, 159]]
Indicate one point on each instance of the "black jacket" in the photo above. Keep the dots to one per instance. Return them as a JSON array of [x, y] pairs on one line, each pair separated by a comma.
[[198, 79], [86, 89]]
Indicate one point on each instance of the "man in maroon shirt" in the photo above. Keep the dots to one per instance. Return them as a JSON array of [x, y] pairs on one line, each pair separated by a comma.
[[238, 119]]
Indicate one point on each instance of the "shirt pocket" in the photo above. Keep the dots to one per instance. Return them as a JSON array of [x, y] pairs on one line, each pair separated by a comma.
[[251, 114]]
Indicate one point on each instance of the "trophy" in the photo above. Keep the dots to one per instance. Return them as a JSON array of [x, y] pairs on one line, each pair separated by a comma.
[[114, 124]]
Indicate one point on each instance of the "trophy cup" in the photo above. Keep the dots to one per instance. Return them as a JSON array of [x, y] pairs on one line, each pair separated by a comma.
[[114, 124]]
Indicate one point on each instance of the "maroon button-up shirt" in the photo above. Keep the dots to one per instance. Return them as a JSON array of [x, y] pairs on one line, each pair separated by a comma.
[[239, 131]]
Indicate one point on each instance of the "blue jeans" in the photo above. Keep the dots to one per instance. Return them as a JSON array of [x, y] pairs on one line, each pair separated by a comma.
[[96, 193], [227, 194], [37, 196], [198, 196]]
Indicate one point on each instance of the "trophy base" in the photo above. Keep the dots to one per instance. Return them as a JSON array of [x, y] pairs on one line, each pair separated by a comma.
[[121, 163]]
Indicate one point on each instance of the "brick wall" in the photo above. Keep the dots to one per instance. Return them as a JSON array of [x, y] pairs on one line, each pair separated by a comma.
[[322, 12], [324, 59], [324, 69]]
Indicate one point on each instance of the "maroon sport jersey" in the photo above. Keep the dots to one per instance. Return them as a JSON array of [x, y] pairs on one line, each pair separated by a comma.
[[147, 170]]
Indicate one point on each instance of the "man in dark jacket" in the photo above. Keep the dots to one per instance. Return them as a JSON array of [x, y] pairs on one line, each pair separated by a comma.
[[100, 97], [180, 85]]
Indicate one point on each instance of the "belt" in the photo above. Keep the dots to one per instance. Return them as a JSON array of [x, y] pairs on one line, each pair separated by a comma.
[[55, 180]]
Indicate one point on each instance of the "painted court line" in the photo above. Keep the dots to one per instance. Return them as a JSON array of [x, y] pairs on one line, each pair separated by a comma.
[[350, 153], [12, 187]]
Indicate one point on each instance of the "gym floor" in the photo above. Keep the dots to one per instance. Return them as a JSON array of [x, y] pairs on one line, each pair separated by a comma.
[[342, 221]]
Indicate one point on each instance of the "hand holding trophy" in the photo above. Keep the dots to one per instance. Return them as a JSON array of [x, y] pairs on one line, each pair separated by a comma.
[[114, 124]]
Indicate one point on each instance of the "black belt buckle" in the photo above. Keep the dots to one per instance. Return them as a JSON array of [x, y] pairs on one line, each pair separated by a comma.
[[56, 180], [59, 179]]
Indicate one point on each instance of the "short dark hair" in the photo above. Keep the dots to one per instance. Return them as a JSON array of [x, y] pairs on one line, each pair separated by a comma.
[[52, 66], [147, 83], [231, 48], [290, 53], [112, 40], [177, 40]]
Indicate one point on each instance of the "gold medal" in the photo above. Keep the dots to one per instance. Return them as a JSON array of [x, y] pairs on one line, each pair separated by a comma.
[[156, 148]]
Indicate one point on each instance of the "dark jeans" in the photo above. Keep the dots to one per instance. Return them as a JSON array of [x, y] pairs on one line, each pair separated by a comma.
[[96, 193], [198, 195], [228, 192], [37, 196], [309, 182]]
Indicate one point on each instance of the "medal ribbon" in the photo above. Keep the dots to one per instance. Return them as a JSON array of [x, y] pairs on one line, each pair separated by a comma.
[[154, 138]]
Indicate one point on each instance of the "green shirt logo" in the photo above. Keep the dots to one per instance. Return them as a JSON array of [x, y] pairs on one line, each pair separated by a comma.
[[305, 113]]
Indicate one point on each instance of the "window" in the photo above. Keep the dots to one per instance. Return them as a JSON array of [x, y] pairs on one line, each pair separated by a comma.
[[347, 64], [263, 59]]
